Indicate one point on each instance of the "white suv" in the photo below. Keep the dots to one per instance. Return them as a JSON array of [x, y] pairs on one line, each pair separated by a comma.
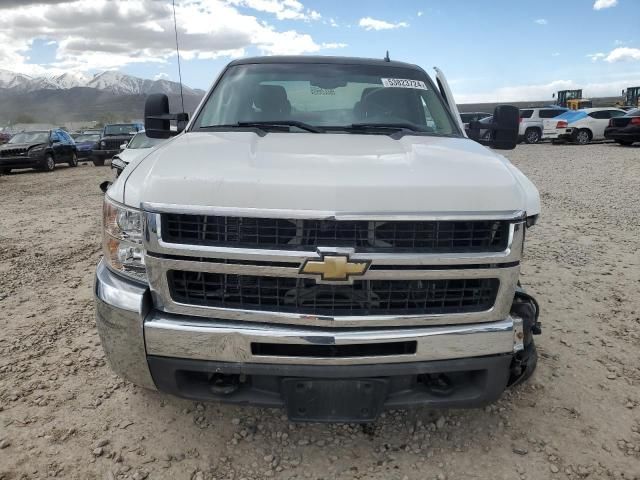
[[537, 123]]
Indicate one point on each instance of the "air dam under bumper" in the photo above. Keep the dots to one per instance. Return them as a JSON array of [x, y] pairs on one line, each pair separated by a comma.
[[209, 359]]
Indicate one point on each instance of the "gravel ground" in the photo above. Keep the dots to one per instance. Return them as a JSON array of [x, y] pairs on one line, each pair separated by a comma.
[[64, 414]]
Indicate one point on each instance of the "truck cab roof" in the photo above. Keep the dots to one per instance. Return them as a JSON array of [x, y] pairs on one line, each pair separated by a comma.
[[319, 59]]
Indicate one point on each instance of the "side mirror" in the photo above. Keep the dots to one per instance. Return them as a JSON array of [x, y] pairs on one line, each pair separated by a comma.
[[157, 119], [123, 146], [500, 131]]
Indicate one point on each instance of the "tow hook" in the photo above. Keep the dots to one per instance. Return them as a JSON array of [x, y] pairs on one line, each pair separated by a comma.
[[220, 384]]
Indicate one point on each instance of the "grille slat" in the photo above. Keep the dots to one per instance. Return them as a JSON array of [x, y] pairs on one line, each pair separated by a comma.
[[364, 236], [304, 296]]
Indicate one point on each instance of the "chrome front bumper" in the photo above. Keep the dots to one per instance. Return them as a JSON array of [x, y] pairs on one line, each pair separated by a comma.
[[130, 329]]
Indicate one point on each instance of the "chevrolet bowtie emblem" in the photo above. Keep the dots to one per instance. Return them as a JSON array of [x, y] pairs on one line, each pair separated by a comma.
[[335, 268]]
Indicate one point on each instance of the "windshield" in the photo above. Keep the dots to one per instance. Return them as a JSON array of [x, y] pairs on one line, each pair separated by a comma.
[[87, 138], [142, 141], [125, 129], [30, 137], [321, 97]]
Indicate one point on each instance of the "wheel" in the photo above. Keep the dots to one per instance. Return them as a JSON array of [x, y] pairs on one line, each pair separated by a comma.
[[583, 136], [532, 135], [626, 143], [74, 160], [49, 163], [98, 162]]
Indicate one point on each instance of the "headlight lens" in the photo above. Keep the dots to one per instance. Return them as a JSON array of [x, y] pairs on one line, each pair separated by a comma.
[[122, 239], [36, 150]]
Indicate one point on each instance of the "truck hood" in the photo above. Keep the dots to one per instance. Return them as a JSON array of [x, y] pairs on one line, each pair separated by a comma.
[[333, 173]]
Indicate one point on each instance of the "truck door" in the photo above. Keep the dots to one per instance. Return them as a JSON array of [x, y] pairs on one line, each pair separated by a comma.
[[447, 94]]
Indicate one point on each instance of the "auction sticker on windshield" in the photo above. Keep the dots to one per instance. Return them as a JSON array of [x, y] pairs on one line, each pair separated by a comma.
[[403, 83]]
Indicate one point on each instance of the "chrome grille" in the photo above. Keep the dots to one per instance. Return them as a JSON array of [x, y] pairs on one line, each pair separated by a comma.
[[363, 236], [305, 296]]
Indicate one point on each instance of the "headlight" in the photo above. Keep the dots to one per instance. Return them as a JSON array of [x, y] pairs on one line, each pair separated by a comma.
[[37, 150], [122, 239], [117, 162]]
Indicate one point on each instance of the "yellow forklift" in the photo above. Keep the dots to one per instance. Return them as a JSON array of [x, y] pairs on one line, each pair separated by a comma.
[[572, 99]]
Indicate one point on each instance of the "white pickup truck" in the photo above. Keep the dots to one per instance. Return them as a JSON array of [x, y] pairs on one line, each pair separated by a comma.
[[321, 236]]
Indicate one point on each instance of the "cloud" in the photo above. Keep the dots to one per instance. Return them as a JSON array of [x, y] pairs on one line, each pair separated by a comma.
[[596, 56], [420, 13], [109, 34], [369, 23], [161, 76], [334, 45], [623, 54], [543, 92], [282, 9], [555, 54], [602, 4], [541, 21]]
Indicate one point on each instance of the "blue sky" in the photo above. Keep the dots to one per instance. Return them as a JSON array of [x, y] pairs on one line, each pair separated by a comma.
[[490, 50]]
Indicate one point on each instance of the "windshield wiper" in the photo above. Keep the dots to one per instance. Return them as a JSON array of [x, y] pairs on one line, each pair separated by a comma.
[[282, 123], [398, 130]]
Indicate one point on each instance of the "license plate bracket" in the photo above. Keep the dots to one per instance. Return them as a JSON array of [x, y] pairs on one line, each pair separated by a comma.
[[354, 400]]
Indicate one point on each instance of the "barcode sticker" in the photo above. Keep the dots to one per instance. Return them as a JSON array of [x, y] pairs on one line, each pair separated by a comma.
[[403, 83]]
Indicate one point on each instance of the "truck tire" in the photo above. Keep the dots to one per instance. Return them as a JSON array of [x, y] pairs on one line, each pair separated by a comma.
[[74, 160], [49, 164], [625, 143], [98, 162], [532, 135], [583, 137]]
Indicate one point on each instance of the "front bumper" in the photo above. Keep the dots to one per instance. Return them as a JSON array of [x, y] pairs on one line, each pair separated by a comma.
[[20, 162], [181, 354], [104, 153], [84, 154]]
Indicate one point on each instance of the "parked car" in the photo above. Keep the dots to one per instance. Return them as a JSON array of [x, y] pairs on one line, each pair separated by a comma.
[[111, 138], [583, 126], [332, 254], [137, 147], [468, 117], [626, 129], [537, 123], [38, 149], [86, 143]]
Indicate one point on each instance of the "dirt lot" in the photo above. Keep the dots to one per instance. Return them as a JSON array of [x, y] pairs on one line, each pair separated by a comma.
[[63, 413]]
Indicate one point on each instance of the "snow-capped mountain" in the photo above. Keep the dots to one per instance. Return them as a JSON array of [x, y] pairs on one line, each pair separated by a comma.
[[116, 82]]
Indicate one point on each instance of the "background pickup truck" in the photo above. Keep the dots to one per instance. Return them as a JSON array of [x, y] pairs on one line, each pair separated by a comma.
[[112, 138], [323, 237]]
